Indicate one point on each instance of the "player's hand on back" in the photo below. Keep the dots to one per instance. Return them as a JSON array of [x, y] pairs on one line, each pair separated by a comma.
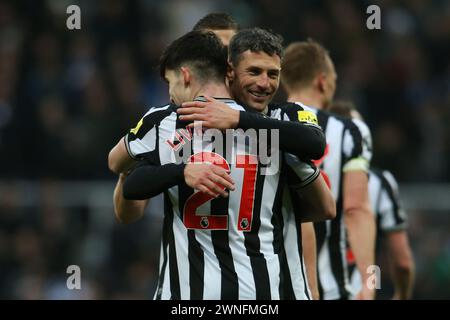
[[208, 178], [212, 114]]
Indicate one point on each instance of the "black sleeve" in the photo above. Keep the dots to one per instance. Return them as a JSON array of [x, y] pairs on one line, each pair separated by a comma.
[[302, 140], [147, 181]]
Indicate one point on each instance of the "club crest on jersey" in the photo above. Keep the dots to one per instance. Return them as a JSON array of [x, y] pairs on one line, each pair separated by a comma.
[[244, 223], [204, 222]]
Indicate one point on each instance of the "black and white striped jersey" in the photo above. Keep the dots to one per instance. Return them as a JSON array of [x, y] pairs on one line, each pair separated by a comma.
[[387, 207], [349, 147], [245, 246], [385, 201], [298, 175]]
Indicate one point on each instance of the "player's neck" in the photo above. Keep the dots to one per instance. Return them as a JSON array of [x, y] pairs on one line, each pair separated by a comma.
[[214, 90], [308, 97]]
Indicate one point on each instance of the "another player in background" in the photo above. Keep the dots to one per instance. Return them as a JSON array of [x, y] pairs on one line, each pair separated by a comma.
[[309, 77], [222, 24], [391, 222]]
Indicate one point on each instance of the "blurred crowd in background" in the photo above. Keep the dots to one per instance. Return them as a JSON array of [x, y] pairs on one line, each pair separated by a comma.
[[67, 96]]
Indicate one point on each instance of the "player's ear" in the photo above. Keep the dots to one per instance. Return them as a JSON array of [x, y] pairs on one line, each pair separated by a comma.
[[186, 73], [230, 71], [321, 82]]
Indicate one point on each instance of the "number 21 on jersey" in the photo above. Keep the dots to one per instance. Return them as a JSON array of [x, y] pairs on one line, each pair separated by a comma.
[[192, 220]]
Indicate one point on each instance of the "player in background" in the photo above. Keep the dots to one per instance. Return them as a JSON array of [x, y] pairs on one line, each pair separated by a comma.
[[309, 77], [391, 221], [222, 24]]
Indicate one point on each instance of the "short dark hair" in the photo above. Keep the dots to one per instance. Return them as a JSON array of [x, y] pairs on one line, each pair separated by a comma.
[[216, 21], [303, 61], [203, 51], [255, 40]]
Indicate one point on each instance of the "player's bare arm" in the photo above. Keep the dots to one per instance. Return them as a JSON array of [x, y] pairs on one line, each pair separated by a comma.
[[127, 211], [119, 161], [361, 226], [310, 255], [401, 263]]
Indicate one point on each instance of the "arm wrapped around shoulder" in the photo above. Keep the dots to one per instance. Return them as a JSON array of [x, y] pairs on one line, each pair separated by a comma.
[[303, 140], [147, 181]]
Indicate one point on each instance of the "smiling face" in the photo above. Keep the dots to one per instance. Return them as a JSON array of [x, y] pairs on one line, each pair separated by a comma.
[[255, 79]]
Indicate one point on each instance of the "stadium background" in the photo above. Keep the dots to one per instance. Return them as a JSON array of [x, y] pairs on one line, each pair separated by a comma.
[[66, 97]]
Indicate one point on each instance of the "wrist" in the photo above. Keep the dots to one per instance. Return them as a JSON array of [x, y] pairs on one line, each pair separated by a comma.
[[185, 169], [241, 120], [236, 118], [179, 170]]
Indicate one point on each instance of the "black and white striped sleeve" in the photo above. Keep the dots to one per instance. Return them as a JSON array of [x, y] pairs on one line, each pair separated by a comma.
[[357, 146], [142, 140], [295, 112], [303, 172], [392, 216]]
